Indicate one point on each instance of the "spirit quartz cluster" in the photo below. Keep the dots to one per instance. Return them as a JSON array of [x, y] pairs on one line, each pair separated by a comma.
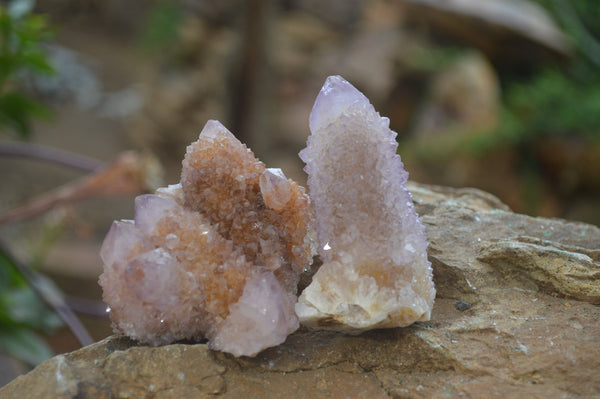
[[219, 255], [375, 271]]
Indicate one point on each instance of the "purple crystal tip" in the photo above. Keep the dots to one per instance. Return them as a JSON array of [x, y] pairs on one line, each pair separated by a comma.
[[335, 97]]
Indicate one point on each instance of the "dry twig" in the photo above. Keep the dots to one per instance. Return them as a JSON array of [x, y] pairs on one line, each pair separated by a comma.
[[130, 173]]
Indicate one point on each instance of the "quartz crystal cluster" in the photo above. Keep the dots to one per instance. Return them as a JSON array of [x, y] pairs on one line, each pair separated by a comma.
[[217, 256], [375, 271]]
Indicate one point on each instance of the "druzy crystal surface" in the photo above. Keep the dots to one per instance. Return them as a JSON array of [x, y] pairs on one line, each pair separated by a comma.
[[375, 271], [217, 256]]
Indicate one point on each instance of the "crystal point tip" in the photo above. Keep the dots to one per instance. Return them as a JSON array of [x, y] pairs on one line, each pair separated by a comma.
[[213, 129], [336, 95]]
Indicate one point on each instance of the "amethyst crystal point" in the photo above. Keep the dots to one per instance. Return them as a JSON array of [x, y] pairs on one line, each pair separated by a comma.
[[375, 271], [336, 96], [261, 315]]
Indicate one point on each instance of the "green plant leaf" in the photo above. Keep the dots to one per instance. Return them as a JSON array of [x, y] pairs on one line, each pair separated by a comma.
[[20, 305], [160, 26], [37, 62], [16, 111], [6, 25], [24, 345], [24, 307], [9, 275], [21, 51]]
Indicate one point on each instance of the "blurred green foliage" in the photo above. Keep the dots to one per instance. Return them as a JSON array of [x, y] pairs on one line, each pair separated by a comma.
[[560, 102], [579, 18], [432, 59], [21, 36], [552, 104], [554, 101], [22, 313], [160, 28], [547, 110]]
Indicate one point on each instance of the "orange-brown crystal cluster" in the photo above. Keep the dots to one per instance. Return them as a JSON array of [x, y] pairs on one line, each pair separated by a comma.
[[258, 209], [218, 256]]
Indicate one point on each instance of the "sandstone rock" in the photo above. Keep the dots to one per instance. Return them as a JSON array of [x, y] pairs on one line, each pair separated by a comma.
[[523, 335]]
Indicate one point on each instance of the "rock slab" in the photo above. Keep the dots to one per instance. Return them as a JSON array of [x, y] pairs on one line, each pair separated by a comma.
[[516, 315]]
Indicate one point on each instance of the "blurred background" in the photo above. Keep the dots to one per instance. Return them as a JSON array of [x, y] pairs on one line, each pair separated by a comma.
[[99, 98]]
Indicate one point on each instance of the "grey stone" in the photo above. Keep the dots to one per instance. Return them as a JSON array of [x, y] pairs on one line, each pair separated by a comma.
[[462, 305]]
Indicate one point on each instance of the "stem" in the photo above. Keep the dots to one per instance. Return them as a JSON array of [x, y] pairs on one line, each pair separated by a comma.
[[589, 46], [87, 306], [49, 154], [128, 174], [46, 289]]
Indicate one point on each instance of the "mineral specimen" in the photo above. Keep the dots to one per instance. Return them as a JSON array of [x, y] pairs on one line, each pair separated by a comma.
[[375, 271], [217, 256]]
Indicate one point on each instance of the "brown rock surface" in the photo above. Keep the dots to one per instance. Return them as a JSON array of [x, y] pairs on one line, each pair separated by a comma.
[[528, 327]]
